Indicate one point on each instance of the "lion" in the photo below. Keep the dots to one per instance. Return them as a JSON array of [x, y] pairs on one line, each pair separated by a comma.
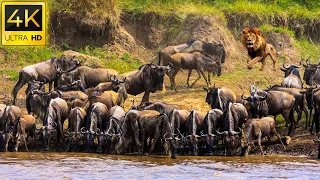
[[257, 48]]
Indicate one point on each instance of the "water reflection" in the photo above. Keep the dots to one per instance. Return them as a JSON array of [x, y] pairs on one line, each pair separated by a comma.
[[95, 166]]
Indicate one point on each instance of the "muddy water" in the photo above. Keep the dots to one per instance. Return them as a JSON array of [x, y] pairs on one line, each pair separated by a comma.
[[93, 166]]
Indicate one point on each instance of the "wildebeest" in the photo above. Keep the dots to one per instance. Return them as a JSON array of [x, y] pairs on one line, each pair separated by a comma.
[[110, 98], [90, 77], [178, 119], [212, 122], [312, 73], [272, 103], [234, 116], [9, 121], [194, 124], [291, 76], [207, 48], [74, 86], [144, 124], [148, 78], [161, 107], [57, 113], [96, 118], [76, 121], [113, 85], [216, 96], [300, 100], [26, 128], [44, 71], [316, 104], [196, 61], [110, 137], [258, 129]]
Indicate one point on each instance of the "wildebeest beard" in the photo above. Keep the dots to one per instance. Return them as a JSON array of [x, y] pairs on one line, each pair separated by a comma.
[[262, 107], [152, 77]]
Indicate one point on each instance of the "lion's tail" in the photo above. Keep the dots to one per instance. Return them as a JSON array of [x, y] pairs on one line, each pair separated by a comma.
[[274, 51]]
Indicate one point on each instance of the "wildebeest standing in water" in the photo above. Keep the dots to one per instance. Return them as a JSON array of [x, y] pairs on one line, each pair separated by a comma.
[[291, 76], [46, 71], [76, 121], [212, 121], [148, 79], [234, 116], [258, 129], [56, 114]]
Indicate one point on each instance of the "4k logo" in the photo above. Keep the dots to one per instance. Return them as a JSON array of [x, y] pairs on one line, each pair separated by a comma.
[[23, 23]]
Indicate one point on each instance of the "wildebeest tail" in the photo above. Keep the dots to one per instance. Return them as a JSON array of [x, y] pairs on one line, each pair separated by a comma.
[[28, 105], [159, 58]]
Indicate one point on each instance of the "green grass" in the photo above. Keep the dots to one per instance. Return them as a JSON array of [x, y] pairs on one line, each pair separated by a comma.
[[12, 75], [292, 8], [270, 28]]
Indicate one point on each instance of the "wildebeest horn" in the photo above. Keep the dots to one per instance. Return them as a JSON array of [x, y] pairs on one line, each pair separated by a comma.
[[82, 130], [221, 133], [237, 133], [308, 61], [261, 98], [284, 66], [98, 131], [124, 80], [164, 136], [243, 97], [296, 66], [106, 133], [69, 132]]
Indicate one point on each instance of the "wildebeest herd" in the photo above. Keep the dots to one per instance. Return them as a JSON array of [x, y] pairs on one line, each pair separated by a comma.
[[92, 100]]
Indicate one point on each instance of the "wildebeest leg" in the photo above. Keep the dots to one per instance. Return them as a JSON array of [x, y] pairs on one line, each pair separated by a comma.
[[24, 138], [289, 116], [259, 143], [16, 89], [8, 136], [18, 139], [274, 131], [143, 137], [209, 79], [199, 76], [299, 112], [136, 132], [189, 74], [204, 77], [145, 97], [254, 61]]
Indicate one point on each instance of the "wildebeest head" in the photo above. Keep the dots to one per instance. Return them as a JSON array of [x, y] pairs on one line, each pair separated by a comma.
[[192, 137], [213, 98], [153, 75], [255, 102], [215, 49], [76, 120], [35, 86], [291, 69], [62, 64], [310, 70], [45, 135], [212, 121], [168, 135], [103, 138], [318, 142]]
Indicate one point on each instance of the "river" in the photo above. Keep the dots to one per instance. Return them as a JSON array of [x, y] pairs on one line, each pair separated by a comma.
[[32, 165]]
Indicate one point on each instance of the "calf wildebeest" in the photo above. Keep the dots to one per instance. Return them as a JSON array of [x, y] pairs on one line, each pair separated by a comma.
[[57, 113], [9, 121], [46, 71], [26, 128], [75, 122], [113, 85], [300, 100], [216, 96], [312, 73], [194, 124], [196, 61], [96, 118], [291, 76], [212, 121], [272, 103], [90, 77], [148, 78], [258, 129], [110, 98], [110, 137], [234, 116]]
